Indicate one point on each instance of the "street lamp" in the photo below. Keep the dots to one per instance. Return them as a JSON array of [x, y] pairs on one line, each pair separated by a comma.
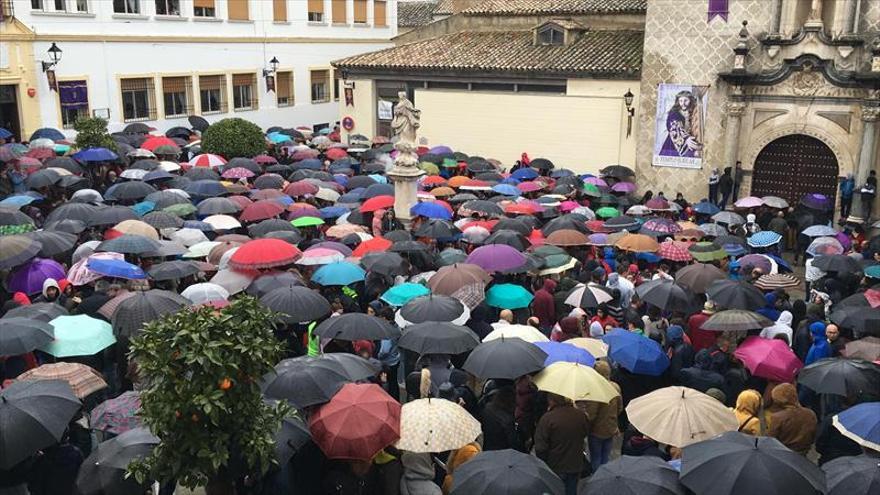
[[274, 67], [54, 55], [628, 101]]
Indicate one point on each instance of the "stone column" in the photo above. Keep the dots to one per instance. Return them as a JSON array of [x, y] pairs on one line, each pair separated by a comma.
[[406, 171], [867, 152], [844, 12], [734, 110], [405, 190], [777, 17]]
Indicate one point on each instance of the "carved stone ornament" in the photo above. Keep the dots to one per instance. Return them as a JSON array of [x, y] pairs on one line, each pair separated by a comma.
[[870, 114], [806, 82], [735, 108]]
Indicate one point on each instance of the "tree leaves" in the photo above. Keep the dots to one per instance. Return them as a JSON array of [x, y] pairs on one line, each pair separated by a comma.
[[234, 138]]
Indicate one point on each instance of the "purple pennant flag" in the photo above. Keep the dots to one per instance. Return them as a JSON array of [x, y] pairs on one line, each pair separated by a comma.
[[718, 8]]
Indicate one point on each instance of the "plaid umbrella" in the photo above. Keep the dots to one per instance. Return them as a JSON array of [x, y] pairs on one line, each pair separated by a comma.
[[674, 251], [117, 415], [83, 379], [142, 307], [129, 244], [110, 216], [777, 281], [16, 250]]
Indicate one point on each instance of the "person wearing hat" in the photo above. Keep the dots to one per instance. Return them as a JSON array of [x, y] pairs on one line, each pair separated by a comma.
[[701, 339]]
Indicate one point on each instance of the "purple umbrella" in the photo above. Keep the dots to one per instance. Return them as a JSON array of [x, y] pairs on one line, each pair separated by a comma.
[[28, 278], [816, 201], [596, 181], [844, 240], [440, 150], [624, 187], [757, 261], [496, 258], [660, 226]]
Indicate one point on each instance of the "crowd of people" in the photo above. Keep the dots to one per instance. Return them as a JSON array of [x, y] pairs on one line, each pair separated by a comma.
[[647, 292]]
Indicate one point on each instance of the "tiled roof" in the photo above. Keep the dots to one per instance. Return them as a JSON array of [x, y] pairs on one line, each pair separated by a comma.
[[567, 24], [444, 7], [556, 7], [600, 53], [415, 14]]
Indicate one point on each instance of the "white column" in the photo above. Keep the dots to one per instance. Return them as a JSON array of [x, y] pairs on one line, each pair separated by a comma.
[[867, 152], [734, 110]]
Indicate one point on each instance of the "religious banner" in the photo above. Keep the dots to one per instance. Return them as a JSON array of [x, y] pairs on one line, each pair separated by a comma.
[[74, 96], [51, 80], [718, 8], [270, 82], [679, 125]]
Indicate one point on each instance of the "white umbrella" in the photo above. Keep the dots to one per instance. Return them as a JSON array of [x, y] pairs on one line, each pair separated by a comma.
[[680, 416], [224, 259], [42, 143], [133, 173], [84, 250], [205, 292], [524, 332], [88, 196], [435, 425], [200, 250], [222, 222], [327, 194], [169, 166], [188, 237], [233, 281], [596, 293]]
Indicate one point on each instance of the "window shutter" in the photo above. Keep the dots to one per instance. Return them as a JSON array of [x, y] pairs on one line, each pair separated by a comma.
[[238, 10], [208, 4], [280, 10], [316, 6], [242, 79], [339, 14], [379, 13], [360, 11]]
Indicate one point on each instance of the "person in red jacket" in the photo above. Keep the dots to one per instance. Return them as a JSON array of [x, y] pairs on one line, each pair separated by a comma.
[[543, 306], [701, 339]]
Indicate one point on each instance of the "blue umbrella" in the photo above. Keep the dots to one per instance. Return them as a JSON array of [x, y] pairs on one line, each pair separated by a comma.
[[380, 179], [506, 189], [558, 351], [205, 188], [143, 207], [706, 208], [735, 249], [79, 335], [512, 181], [819, 231], [636, 353], [404, 293], [861, 423], [525, 173], [95, 155], [116, 268], [431, 210], [309, 163], [649, 257], [198, 225], [333, 211], [765, 238], [277, 137], [18, 201], [47, 133], [340, 179], [508, 296], [4, 133], [353, 196], [784, 267], [339, 273]]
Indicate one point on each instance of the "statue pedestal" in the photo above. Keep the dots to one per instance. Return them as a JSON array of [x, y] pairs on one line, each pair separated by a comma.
[[405, 190]]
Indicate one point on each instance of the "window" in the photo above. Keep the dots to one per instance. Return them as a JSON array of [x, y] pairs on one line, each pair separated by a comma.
[[284, 88], [60, 6], [279, 9], [37, 4], [73, 96], [177, 95], [82, 5], [336, 85], [360, 11], [204, 8], [339, 14], [238, 10], [320, 83], [550, 36], [380, 16], [138, 101], [127, 6], [244, 91], [167, 7], [316, 10], [212, 94]]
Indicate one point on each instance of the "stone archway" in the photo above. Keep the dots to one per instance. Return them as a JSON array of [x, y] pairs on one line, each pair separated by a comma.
[[794, 165]]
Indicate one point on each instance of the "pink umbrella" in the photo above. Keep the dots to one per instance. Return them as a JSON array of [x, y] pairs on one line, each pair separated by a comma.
[[596, 181], [624, 187], [568, 205], [769, 358], [749, 202], [530, 186], [79, 274], [237, 173]]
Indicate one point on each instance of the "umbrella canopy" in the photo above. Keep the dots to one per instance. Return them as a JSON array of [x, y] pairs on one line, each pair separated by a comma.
[[707, 251], [735, 295], [20, 335], [636, 353], [508, 296], [105, 470], [432, 308], [559, 352], [867, 348], [79, 335], [173, 270], [846, 377], [83, 379], [435, 425], [339, 273], [117, 268], [736, 320], [44, 312], [666, 295], [305, 381], [358, 422], [401, 294], [296, 304], [524, 332], [506, 472], [680, 416], [451, 278], [29, 278], [206, 292], [769, 358], [496, 258], [736, 463], [53, 242], [356, 326], [588, 296], [837, 263], [858, 475], [264, 253], [143, 307], [504, 359], [595, 347], [17, 249], [638, 243], [129, 244], [117, 415], [290, 438], [861, 424], [630, 475], [34, 415], [436, 337], [778, 281], [576, 382]]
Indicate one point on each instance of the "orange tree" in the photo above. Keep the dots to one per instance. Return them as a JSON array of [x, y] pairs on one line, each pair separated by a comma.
[[200, 370]]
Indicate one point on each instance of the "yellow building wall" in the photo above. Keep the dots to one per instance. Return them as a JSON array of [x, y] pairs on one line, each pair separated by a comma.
[[363, 111], [17, 67]]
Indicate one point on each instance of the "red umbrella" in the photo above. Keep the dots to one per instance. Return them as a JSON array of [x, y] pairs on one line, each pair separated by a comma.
[[524, 208], [298, 210], [29, 165], [40, 153], [264, 253], [358, 422], [261, 210], [597, 226], [377, 203], [433, 181], [674, 251], [154, 142], [336, 154], [300, 188], [263, 194], [769, 358], [265, 160], [241, 201], [373, 245], [304, 155]]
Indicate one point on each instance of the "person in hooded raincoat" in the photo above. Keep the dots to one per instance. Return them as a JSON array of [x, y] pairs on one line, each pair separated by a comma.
[[750, 413], [792, 424], [543, 306], [782, 327], [418, 475], [820, 349]]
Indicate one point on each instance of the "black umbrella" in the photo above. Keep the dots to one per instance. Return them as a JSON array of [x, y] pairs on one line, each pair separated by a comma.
[[44, 312], [73, 182], [433, 337], [514, 224], [305, 381], [279, 168], [42, 178], [845, 377], [490, 176], [385, 263], [624, 222], [408, 247], [217, 206], [853, 475], [462, 198], [137, 128], [505, 472], [504, 359], [378, 190], [129, 244], [566, 222], [201, 173], [699, 276], [9, 216], [173, 270], [837, 263], [736, 463], [297, 304], [111, 215], [22, 335], [166, 198], [269, 282], [69, 226], [510, 238], [863, 320], [198, 123], [356, 326], [666, 295], [163, 220], [484, 207], [736, 295], [270, 225], [721, 240], [432, 308], [357, 181], [398, 236], [353, 366], [104, 471], [53, 242], [65, 162], [127, 191], [147, 164], [541, 164], [143, 307], [290, 437], [437, 229], [241, 162], [34, 415], [289, 236], [617, 171], [16, 250], [269, 181], [629, 475]]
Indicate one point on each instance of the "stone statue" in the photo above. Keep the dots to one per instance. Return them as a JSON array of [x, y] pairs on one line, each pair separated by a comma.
[[816, 10], [405, 124]]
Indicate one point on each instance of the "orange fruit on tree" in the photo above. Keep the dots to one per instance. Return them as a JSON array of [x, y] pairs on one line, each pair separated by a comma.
[[225, 384]]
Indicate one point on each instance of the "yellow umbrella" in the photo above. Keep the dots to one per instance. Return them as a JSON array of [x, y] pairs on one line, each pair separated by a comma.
[[575, 381], [435, 425], [137, 227], [524, 332], [595, 347], [680, 416], [637, 243]]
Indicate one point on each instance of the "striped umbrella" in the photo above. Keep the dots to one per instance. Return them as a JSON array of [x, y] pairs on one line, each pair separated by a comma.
[[736, 320], [207, 160], [83, 379], [777, 281]]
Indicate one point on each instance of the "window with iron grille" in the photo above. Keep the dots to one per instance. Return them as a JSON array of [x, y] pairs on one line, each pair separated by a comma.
[[284, 88], [212, 94], [177, 95], [244, 92], [316, 10], [127, 6], [320, 86], [138, 99], [168, 7], [73, 96], [204, 8]]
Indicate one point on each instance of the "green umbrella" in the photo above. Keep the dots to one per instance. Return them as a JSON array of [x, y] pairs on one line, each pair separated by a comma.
[[61, 149], [592, 190], [79, 335], [403, 293], [707, 251], [508, 296], [430, 168], [607, 212], [180, 209], [873, 271], [449, 163], [307, 222]]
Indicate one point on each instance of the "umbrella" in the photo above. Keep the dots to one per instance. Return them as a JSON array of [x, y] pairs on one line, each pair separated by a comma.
[[129, 244], [435, 425], [735, 295], [203, 293], [34, 415], [736, 463], [867, 348], [819, 231], [637, 243], [706, 208], [68, 226], [856, 475], [105, 470], [666, 295], [437, 229], [729, 218], [217, 206], [595, 347], [431, 210], [432, 308], [733, 320], [291, 436], [95, 155], [588, 296], [576, 382], [307, 221], [403, 293], [769, 358], [825, 246], [765, 238], [497, 258], [707, 251], [338, 273], [222, 222], [435, 337], [20, 335], [817, 201], [777, 281], [264, 253], [137, 227], [508, 296], [79, 335], [117, 268], [837, 263], [83, 379], [29, 278], [845, 377], [559, 352], [44, 312], [143, 307], [305, 381], [117, 415], [17, 249], [358, 422], [629, 475], [385, 263], [504, 359], [524, 332], [675, 251], [861, 424], [274, 280], [356, 326], [451, 278], [636, 353], [127, 191], [506, 472], [296, 303], [567, 237], [266, 227]]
